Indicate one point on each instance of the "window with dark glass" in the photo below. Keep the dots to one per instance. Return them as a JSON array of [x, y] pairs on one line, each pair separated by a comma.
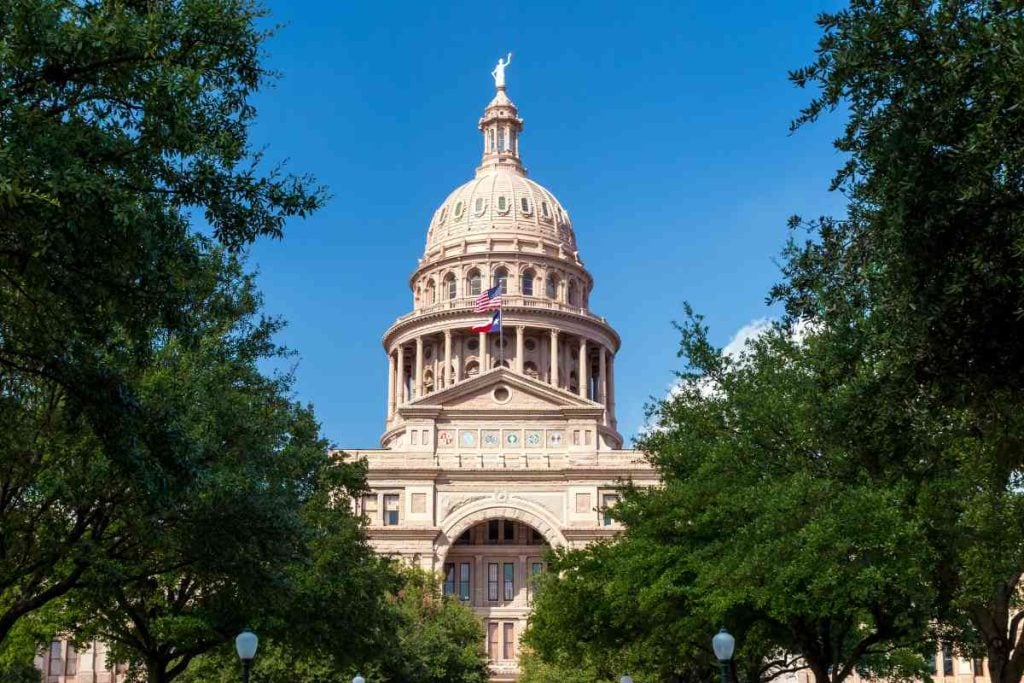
[[56, 661], [947, 660], [449, 579], [509, 531], [524, 203], [464, 581], [608, 502], [450, 286], [510, 580], [492, 531], [391, 510], [527, 285], [492, 581], [501, 280]]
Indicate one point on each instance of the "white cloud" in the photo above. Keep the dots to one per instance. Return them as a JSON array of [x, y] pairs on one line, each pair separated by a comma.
[[752, 330]]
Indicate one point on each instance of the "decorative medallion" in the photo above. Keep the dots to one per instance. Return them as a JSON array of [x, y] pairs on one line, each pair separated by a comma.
[[490, 438], [512, 438], [533, 438], [467, 439], [446, 438], [554, 438]]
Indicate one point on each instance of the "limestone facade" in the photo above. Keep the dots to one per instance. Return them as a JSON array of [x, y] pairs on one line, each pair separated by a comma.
[[498, 445]]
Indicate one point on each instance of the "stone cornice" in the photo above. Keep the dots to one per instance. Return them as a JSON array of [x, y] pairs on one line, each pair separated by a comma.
[[437, 321]]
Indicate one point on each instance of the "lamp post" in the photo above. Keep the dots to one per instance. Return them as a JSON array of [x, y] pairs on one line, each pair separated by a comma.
[[723, 644], [245, 645]]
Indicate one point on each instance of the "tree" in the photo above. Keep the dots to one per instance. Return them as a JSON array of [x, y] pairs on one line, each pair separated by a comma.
[[762, 523], [118, 123], [920, 286], [428, 639]]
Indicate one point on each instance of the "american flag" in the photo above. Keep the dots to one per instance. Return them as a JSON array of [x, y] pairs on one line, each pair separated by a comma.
[[488, 300]]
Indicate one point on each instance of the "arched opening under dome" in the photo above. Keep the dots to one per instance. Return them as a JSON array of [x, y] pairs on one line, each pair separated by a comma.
[[494, 563]]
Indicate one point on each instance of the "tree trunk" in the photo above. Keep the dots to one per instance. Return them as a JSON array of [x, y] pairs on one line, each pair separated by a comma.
[[156, 671]]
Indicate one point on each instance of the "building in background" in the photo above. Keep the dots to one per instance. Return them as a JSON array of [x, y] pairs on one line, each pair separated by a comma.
[[498, 444]]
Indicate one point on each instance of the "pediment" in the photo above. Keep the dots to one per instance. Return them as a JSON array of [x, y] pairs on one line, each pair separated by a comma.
[[483, 394]]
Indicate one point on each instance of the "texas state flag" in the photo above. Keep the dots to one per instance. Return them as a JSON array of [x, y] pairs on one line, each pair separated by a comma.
[[494, 325]]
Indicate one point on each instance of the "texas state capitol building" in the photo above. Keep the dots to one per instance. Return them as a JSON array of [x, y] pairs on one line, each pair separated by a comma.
[[498, 446]]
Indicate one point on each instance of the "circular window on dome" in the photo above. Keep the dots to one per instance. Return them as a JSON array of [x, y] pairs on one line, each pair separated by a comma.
[[501, 343], [501, 394], [473, 345], [531, 345]]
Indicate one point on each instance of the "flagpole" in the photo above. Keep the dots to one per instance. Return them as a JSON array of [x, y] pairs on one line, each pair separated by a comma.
[[501, 333]]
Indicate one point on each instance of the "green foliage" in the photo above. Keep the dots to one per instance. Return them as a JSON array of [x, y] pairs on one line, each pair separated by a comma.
[[763, 523], [119, 122], [424, 638], [918, 291]]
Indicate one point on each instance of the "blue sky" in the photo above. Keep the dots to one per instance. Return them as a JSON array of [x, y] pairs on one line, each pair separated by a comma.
[[662, 127]]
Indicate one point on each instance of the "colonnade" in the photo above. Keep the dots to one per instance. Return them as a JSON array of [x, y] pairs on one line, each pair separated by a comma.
[[434, 361]]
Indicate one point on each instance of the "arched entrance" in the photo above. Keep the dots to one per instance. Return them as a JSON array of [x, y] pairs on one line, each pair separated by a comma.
[[489, 555]]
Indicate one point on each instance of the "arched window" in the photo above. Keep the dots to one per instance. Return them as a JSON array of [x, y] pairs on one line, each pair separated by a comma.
[[449, 286], [473, 282], [428, 381], [472, 368], [490, 140], [503, 363], [545, 210], [552, 287], [573, 293], [501, 141], [502, 203], [526, 286], [431, 293], [524, 205], [501, 280], [530, 368]]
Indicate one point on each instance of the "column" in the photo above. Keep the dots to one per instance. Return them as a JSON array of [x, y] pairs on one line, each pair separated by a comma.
[[449, 371], [417, 372], [581, 373], [391, 384], [553, 365], [520, 347], [611, 391], [402, 398], [485, 354], [602, 379], [460, 358]]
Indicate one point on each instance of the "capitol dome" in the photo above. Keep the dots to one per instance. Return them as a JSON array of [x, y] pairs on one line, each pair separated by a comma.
[[501, 201]]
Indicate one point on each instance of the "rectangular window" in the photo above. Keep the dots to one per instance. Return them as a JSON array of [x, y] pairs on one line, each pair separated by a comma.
[[608, 501], [464, 581], [979, 668], [508, 649], [492, 531], [509, 530], [510, 580], [931, 666], [536, 568], [492, 581], [583, 502], [492, 640], [449, 579], [56, 661], [947, 660], [370, 507], [71, 661], [391, 510]]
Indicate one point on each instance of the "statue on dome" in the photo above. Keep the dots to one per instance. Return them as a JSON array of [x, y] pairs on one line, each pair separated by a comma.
[[499, 71]]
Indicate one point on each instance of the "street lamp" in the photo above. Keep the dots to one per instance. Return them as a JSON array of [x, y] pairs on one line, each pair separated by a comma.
[[723, 644], [245, 645], [626, 679], [359, 679]]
